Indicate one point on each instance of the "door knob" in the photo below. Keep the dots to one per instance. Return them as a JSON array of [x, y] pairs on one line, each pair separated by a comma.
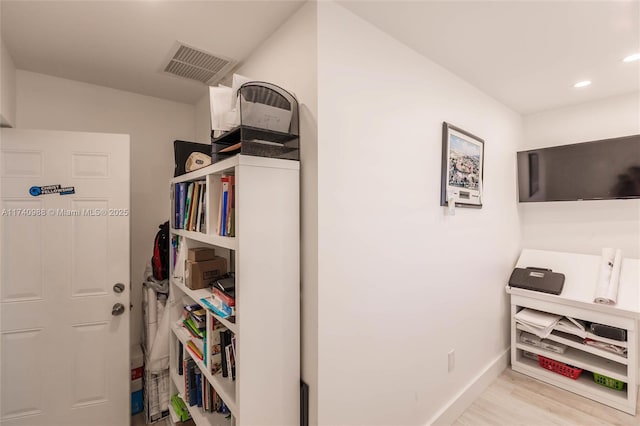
[[118, 309], [118, 288]]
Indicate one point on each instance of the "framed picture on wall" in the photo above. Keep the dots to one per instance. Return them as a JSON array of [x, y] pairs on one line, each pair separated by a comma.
[[462, 167]]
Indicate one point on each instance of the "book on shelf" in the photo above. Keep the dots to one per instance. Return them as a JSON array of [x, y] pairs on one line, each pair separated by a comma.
[[190, 206], [225, 297], [231, 217], [199, 345], [193, 331], [198, 387], [233, 346], [191, 392], [194, 350], [231, 364], [187, 205], [192, 209], [223, 211], [180, 199], [218, 307], [228, 360], [223, 357], [196, 314], [199, 210], [216, 348], [203, 214], [226, 211]]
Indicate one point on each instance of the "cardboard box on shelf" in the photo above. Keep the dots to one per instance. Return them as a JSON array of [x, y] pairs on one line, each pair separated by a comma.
[[199, 274], [200, 253]]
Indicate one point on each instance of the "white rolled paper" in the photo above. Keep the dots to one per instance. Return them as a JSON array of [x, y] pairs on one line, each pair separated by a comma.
[[152, 317], [609, 277]]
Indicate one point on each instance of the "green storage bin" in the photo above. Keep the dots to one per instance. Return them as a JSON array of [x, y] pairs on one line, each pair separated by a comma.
[[608, 381]]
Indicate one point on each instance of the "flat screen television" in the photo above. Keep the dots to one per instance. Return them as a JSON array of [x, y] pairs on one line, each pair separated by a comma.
[[599, 170]]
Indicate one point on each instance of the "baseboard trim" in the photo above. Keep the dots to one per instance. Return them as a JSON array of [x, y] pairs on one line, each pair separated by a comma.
[[449, 413]]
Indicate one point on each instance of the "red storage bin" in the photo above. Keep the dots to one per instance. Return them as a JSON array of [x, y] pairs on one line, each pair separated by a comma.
[[559, 367]]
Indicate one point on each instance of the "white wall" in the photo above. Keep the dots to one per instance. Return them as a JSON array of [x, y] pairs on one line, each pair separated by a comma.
[[7, 88], [288, 58], [401, 282], [45, 102], [583, 226]]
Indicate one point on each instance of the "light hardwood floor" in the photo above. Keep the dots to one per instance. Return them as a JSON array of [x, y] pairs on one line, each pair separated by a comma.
[[515, 399]]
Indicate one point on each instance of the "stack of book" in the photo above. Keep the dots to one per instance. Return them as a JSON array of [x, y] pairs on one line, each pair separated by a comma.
[[194, 321], [190, 206], [226, 208], [199, 392], [222, 301]]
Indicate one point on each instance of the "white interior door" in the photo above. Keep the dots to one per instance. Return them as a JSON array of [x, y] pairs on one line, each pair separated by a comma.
[[64, 354]]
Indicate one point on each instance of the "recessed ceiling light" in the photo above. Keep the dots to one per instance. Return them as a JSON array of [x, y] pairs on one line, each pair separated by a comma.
[[584, 83], [631, 58]]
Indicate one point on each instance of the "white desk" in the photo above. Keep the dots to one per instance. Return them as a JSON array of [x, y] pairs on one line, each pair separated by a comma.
[[576, 301]]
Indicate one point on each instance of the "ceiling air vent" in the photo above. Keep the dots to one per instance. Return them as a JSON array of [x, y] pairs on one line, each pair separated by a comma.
[[194, 64]]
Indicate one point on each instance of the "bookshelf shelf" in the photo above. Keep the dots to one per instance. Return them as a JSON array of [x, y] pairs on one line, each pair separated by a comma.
[[582, 360], [576, 301], [201, 417], [214, 240], [584, 383], [224, 386], [264, 255], [196, 295], [574, 343]]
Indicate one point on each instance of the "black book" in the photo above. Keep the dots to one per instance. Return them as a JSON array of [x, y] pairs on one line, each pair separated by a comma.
[[223, 358], [180, 351], [193, 386], [198, 388]]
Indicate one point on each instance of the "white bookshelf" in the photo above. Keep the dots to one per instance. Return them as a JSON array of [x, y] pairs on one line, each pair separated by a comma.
[[265, 256], [576, 301]]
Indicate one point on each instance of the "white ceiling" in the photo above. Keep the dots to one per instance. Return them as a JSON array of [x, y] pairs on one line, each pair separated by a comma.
[[526, 54], [126, 44]]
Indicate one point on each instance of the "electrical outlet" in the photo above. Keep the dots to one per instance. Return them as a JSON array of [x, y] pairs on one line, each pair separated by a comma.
[[451, 360]]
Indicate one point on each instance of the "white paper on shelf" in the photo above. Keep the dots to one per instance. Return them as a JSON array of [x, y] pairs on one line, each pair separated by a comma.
[[607, 347], [220, 105], [539, 323], [609, 277], [572, 326], [237, 81], [178, 270], [266, 116]]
